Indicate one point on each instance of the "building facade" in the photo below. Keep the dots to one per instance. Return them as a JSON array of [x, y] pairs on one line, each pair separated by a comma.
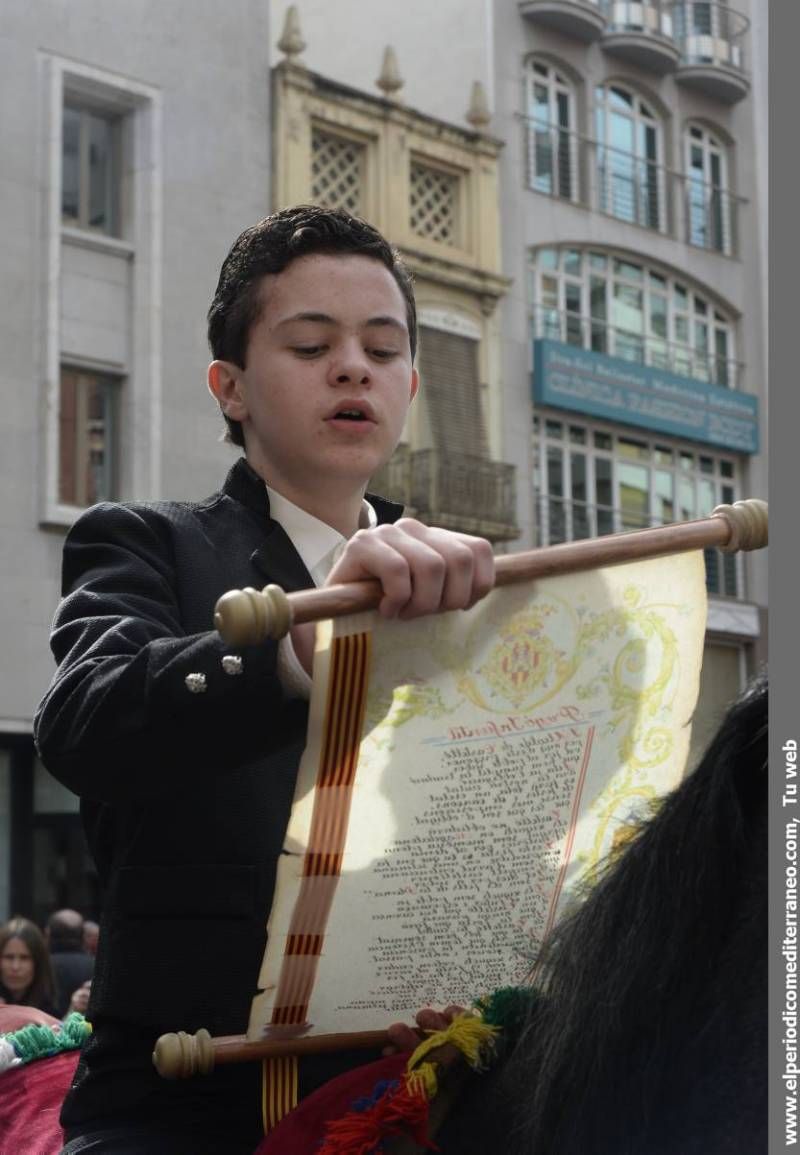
[[431, 187], [587, 230], [633, 207], [136, 147]]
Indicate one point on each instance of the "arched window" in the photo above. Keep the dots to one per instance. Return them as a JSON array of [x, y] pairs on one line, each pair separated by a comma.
[[611, 304], [630, 149], [708, 202], [552, 153]]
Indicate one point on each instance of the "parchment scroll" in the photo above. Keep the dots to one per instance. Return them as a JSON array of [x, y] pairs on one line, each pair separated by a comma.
[[462, 772]]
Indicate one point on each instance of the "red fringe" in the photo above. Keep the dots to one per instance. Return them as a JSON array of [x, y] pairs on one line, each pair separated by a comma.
[[403, 1112]]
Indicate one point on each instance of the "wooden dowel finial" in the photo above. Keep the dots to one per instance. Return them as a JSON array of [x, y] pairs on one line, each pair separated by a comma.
[[244, 617], [749, 524], [179, 1056]]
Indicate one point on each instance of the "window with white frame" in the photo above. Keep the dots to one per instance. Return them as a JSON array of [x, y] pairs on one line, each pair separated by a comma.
[[101, 336], [708, 202], [591, 480], [90, 170], [86, 436], [624, 308], [552, 141], [630, 147]]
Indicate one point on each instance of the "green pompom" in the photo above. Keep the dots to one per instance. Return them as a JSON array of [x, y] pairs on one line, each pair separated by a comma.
[[37, 1042], [508, 1008]]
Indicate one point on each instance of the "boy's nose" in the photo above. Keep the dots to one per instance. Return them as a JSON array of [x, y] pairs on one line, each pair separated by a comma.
[[351, 368]]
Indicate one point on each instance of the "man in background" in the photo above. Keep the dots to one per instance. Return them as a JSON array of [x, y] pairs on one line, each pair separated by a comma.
[[72, 965]]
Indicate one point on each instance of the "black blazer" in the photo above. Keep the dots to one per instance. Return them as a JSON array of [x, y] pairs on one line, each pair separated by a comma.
[[185, 796]]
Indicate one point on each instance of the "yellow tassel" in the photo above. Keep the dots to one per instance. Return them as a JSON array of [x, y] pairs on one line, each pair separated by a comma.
[[468, 1033], [422, 1080]]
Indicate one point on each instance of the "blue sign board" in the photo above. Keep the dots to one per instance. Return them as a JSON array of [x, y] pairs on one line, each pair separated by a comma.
[[567, 377]]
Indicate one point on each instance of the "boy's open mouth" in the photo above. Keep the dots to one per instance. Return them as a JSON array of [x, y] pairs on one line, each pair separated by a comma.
[[355, 411]]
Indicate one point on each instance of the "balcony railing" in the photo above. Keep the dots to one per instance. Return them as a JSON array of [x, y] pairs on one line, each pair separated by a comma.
[[599, 336], [560, 519], [575, 168], [648, 17], [704, 38], [711, 37], [581, 19], [641, 31], [453, 490]]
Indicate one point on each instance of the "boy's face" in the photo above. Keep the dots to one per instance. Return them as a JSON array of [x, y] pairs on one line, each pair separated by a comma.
[[328, 377]]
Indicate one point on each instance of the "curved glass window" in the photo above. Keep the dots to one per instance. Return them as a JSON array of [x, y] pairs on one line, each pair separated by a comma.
[[624, 308], [594, 479], [708, 209], [552, 143], [630, 172]]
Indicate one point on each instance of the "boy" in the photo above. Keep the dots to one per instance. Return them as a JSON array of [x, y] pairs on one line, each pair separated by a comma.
[[184, 755]]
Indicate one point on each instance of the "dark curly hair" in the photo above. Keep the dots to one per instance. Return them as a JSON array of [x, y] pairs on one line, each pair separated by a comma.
[[269, 247]]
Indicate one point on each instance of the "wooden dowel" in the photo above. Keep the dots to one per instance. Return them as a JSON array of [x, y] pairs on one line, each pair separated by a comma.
[[180, 1055], [244, 617]]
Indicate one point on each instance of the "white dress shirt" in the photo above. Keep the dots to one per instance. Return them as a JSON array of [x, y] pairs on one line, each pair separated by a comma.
[[320, 546]]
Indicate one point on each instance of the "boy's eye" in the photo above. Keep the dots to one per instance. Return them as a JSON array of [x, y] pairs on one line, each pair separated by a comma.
[[384, 354], [307, 350]]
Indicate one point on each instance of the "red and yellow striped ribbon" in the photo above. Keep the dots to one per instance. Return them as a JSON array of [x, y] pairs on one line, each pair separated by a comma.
[[341, 740]]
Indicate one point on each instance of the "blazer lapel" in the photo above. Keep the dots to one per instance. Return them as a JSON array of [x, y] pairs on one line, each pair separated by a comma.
[[276, 560], [279, 563]]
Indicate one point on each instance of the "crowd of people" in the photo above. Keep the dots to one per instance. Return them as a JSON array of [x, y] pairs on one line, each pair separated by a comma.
[[49, 969]]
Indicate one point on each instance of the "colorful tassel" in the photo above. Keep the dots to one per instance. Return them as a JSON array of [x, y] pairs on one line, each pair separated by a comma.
[[38, 1042], [402, 1108], [469, 1034], [400, 1112], [508, 1008]]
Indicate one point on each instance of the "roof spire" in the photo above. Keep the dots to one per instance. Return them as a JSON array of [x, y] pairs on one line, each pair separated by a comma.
[[390, 81], [478, 113], [291, 43]]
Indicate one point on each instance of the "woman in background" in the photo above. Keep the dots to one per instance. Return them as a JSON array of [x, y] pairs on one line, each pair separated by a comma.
[[26, 975]]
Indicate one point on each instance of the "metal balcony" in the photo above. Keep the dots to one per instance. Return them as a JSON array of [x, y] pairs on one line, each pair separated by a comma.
[[581, 19], [575, 168], [453, 490], [711, 41], [641, 33]]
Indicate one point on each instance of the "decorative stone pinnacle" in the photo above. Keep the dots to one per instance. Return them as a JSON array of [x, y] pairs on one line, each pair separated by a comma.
[[478, 113], [291, 42], [390, 81]]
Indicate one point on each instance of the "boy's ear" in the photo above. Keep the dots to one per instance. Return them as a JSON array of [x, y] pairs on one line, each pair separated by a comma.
[[414, 384], [225, 385]]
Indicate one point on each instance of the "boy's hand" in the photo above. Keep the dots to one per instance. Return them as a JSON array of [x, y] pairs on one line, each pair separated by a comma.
[[422, 571], [405, 1038], [420, 568]]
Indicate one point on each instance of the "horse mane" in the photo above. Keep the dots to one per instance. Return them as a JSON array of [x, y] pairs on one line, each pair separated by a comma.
[[650, 1037]]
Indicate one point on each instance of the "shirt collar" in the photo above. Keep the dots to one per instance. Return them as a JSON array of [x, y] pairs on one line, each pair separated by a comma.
[[318, 543]]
